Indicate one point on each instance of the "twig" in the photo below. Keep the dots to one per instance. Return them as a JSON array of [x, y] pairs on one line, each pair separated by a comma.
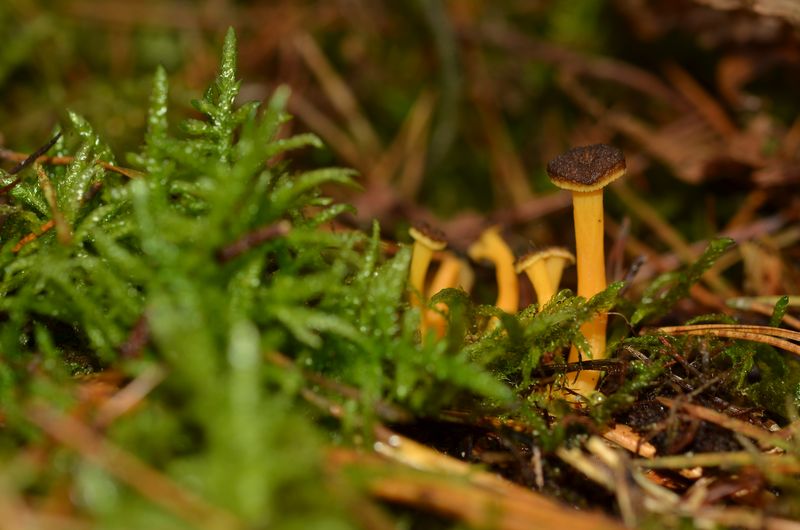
[[706, 105], [253, 239], [521, 45], [667, 233], [732, 424], [25, 161], [328, 130], [763, 309], [786, 464], [386, 411], [33, 236], [745, 302], [768, 331], [339, 94], [786, 9], [506, 165], [66, 160], [626, 438], [131, 395]]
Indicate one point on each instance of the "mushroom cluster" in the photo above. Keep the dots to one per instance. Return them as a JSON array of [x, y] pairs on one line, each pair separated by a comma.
[[585, 171]]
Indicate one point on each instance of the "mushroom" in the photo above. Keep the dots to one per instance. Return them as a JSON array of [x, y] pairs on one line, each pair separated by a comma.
[[585, 171], [544, 268], [491, 246], [427, 240], [453, 272]]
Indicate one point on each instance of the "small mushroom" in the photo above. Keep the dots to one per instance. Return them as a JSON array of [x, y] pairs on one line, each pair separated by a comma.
[[490, 246], [544, 268], [427, 240], [585, 171], [453, 272]]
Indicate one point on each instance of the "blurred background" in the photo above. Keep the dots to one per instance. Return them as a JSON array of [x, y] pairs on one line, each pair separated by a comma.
[[450, 109]]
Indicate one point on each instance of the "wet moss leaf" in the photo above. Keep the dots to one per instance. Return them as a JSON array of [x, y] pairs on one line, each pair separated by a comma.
[[662, 294]]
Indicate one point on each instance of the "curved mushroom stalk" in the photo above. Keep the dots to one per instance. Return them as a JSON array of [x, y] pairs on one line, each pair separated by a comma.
[[427, 240], [492, 247], [544, 269]]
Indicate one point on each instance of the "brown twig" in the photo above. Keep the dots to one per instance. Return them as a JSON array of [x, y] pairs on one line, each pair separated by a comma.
[[667, 233], [626, 438], [733, 333], [129, 396], [66, 160], [506, 165], [25, 161], [339, 94], [33, 236], [723, 420], [253, 239], [786, 9]]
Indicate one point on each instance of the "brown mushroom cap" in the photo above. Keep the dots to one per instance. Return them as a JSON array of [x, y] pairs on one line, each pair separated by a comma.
[[587, 168], [528, 259], [427, 235]]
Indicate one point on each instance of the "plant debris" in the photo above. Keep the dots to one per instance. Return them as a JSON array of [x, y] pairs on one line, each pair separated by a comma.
[[206, 334]]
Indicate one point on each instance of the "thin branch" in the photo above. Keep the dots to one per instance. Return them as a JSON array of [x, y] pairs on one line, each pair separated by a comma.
[[63, 161], [763, 436]]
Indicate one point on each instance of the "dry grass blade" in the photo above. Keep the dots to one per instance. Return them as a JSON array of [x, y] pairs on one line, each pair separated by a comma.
[[786, 9], [745, 302], [130, 396], [408, 143], [667, 233], [326, 128], [455, 489], [641, 495], [339, 94], [763, 334], [706, 105], [506, 165], [15, 514], [63, 230], [763, 309], [762, 330], [684, 144], [786, 464], [636, 494], [151, 484], [764, 437]]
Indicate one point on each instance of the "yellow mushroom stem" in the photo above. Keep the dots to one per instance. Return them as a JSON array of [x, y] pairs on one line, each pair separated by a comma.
[[453, 272], [426, 241], [542, 281], [555, 269], [544, 268], [588, 215], [420, 261], [491, 247]]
